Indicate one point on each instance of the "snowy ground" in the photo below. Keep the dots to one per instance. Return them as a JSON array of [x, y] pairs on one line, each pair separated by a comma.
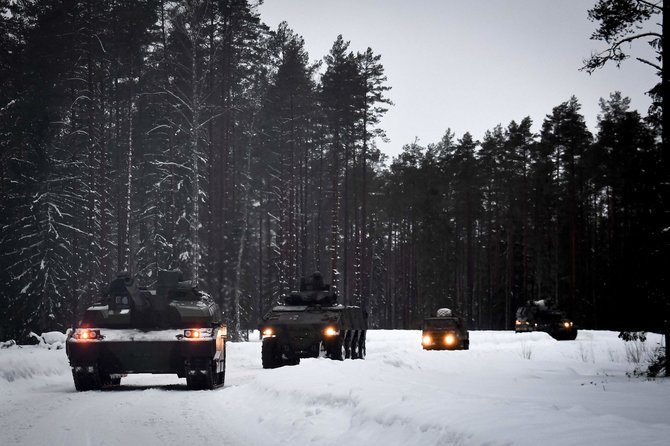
[[523, 389]]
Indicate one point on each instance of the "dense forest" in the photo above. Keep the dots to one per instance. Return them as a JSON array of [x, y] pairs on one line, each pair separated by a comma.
[[141, 135]]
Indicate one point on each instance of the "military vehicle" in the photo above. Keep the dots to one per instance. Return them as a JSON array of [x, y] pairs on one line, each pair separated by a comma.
[[542, 315], [310, 324], [444, 332], [173, 329]]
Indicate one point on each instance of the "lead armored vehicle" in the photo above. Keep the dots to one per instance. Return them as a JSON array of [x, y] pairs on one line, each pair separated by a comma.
[[542, 315], [310, 324], [173, 329], [444, 332]]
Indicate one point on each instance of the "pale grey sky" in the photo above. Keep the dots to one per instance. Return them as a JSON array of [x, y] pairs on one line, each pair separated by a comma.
[[468, 65]]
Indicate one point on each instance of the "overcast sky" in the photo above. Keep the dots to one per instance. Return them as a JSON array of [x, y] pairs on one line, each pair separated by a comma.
[[468, 65]]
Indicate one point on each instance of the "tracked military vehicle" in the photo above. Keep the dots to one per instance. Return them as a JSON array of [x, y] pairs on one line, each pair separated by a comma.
[[310, 324], [444, 332], [542, 315], [173, 329]]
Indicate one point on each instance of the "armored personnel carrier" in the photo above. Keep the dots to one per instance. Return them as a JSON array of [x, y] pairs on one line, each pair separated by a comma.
[[310, 324], [542, 315], [173, 329], [444, 332]]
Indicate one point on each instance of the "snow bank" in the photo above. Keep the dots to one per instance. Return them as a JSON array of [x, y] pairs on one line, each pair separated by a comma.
[[32, 361], [512, 389], [7, 344], [50, 339]]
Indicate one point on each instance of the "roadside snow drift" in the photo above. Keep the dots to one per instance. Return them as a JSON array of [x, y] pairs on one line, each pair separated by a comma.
[[508, 389]]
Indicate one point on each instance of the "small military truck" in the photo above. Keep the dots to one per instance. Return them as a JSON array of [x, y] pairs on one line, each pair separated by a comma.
[[542, 315], [173, 329], [444, 332], [310, 324]]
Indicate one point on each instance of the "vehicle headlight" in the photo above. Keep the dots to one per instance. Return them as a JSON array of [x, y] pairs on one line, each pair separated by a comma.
[[192, 333], [450, 339], [427, 340], [86, 334], [197, 333], [330, 332], [268, 332], [567, 324]]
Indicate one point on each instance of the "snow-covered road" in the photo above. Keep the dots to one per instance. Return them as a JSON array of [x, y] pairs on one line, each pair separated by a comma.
[[508, 389]]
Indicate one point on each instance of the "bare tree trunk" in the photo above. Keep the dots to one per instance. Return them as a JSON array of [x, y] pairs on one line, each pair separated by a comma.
[[260, 261], [237, 332], [195, 172], [345, 223], [334, 223], [129, 188], [319, 199]]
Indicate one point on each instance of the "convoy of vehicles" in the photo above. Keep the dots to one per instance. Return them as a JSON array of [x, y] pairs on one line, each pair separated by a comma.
[[178, 329], [173, 329], [310, 323], [444, 332]]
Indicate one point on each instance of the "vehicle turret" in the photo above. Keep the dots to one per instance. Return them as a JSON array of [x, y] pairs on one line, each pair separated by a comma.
[[174, 302], [312, 292]]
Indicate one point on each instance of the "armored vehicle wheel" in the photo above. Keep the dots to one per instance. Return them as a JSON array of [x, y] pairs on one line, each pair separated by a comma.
[[270, 354], [338, 349], [291, 361], [209, 379], [221, 376], [354, 347], [191, 382], [81, 383], [86, 380], [323, 350], [107, 380], [316, 350], [201, 374], [348, 346], [361, 346]]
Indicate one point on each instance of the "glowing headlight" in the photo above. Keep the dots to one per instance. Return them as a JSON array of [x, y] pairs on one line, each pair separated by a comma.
[[86, 334], [268, 332], [449, 339], [427, 340], [567, 324], [198, 333], [330, 331], [192, 333]]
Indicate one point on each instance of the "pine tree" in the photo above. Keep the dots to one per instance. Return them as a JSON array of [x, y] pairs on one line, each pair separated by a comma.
[[341, 96], [566, 135], [375, 106]]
